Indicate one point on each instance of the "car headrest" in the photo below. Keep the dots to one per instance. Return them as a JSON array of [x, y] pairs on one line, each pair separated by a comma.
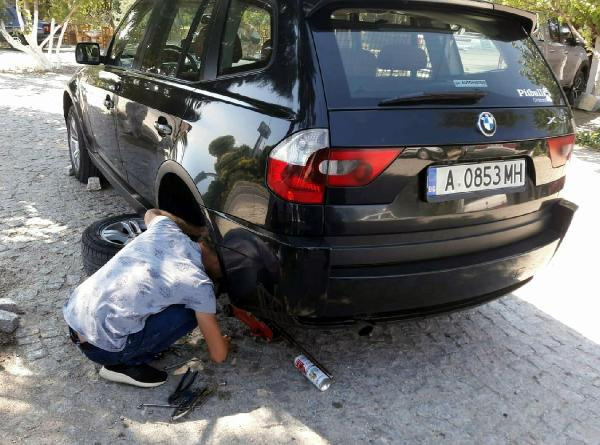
[[405, 57]]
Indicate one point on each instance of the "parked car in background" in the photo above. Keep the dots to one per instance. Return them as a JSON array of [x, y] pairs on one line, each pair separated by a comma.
[[12, 26], [566, 55], [350, 160]]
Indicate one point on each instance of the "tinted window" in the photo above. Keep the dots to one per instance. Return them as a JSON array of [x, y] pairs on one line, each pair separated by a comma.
[[554, 30], [129, 36], [182, 31], [247, 39], [369, 55]]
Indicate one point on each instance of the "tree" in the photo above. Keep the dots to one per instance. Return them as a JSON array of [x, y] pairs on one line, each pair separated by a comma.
[[28, 24], [582, 15], [60, 13]]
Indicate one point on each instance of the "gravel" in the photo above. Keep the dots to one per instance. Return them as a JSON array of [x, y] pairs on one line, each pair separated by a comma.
[[6, 304]]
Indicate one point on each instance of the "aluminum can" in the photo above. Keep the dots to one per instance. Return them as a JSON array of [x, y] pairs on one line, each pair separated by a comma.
[[312, 372]]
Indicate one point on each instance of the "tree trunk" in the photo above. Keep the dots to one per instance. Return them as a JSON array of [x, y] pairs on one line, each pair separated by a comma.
[[47, 39], [34, 27], [40, 59], [65, 25], [593, 86], [51, 36]]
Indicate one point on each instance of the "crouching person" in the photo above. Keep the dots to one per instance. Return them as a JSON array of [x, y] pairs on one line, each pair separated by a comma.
[[151, 293]]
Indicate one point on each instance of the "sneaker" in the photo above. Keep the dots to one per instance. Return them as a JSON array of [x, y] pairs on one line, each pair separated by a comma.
[[144, 376]]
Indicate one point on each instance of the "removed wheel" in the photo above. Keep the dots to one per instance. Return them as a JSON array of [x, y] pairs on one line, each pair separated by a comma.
[[102, 240], [80, 159]]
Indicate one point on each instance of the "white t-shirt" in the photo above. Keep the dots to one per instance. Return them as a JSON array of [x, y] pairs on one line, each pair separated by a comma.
[[160, 268]]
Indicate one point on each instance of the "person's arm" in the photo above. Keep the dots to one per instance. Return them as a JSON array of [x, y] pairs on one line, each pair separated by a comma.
[[218, 344], [187, 228]]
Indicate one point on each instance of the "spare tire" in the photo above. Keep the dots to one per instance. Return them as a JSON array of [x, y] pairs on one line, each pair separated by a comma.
[[102, 240]]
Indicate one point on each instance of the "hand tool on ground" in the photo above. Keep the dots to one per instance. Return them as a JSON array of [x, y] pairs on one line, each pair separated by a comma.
[[187, 380], [191, 400], [177, 365], [154, 405]]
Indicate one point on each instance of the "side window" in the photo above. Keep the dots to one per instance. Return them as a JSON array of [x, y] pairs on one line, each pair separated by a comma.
[[248, 37], [554, 30], [182, 33], [130, 34]]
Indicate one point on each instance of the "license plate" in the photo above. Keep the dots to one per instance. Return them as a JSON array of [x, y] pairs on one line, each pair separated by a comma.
[[469, 180]]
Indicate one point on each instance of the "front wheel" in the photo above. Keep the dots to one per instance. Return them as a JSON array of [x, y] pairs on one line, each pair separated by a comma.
[[80, 159], [577, 88]]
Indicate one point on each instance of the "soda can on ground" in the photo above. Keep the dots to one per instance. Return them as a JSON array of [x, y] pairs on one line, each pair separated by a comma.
[[312, 372]]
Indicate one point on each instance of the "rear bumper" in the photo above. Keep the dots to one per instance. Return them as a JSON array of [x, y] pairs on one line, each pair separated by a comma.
[[343, 280]]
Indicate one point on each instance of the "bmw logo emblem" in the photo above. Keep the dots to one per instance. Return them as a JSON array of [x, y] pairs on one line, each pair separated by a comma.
[[487, 124]]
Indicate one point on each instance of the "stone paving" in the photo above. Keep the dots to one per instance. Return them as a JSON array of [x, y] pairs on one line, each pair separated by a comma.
[[506, 372]]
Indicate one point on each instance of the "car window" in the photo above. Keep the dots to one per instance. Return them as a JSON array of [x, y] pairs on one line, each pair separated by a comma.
[[554, 30], [182, 32], [130, 35], [368, 55], [248, 37], [478, 53]]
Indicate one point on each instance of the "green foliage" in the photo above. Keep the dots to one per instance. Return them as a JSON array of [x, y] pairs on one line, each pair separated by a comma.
[[590, 139], [583, 14]]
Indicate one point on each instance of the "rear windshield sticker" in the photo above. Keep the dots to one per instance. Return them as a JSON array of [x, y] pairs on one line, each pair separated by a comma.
[[537, 95], [470, 84]]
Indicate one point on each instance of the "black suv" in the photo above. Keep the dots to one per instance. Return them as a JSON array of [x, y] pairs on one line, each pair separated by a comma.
[[351, 159]]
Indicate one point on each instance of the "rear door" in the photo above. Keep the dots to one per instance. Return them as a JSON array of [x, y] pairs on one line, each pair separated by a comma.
[[555, 51], [379, 64], [153, 100], [101, 84]]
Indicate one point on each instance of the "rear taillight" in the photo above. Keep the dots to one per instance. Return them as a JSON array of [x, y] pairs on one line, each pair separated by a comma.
[[293, 172], [560, 149], [302, 166], [357, 167]]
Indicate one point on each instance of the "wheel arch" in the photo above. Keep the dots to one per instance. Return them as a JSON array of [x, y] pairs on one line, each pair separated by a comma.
[[67, 103], [176, 192]]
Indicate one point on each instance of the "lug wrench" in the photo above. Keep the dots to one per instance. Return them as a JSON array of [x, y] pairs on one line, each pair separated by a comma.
[[177, 365], [154, 405]]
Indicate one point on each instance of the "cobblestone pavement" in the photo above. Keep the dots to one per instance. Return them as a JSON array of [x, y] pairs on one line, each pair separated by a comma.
[[523, 369]]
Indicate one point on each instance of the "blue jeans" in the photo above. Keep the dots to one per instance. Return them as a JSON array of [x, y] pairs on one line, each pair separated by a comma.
[[160, 331]]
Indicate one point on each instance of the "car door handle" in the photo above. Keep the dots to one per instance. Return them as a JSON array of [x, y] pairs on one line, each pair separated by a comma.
[[162, 128], [108, 103]]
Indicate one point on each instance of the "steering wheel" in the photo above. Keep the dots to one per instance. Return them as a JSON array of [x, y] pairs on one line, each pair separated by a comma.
[[176, 50]]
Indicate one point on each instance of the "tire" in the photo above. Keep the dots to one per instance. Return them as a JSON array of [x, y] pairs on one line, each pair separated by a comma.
[[95, 247], [577, 88], [82, 165]]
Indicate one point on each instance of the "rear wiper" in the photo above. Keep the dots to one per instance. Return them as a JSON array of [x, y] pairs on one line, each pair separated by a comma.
[[449, 96]]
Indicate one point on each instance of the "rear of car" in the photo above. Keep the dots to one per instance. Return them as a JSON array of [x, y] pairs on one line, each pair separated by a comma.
[[440, 171]]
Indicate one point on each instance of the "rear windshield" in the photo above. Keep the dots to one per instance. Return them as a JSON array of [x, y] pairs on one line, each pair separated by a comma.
[[372, 55]]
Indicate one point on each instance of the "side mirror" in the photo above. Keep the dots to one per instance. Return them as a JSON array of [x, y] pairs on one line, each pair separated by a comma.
[[572, 41], [88, 53]]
